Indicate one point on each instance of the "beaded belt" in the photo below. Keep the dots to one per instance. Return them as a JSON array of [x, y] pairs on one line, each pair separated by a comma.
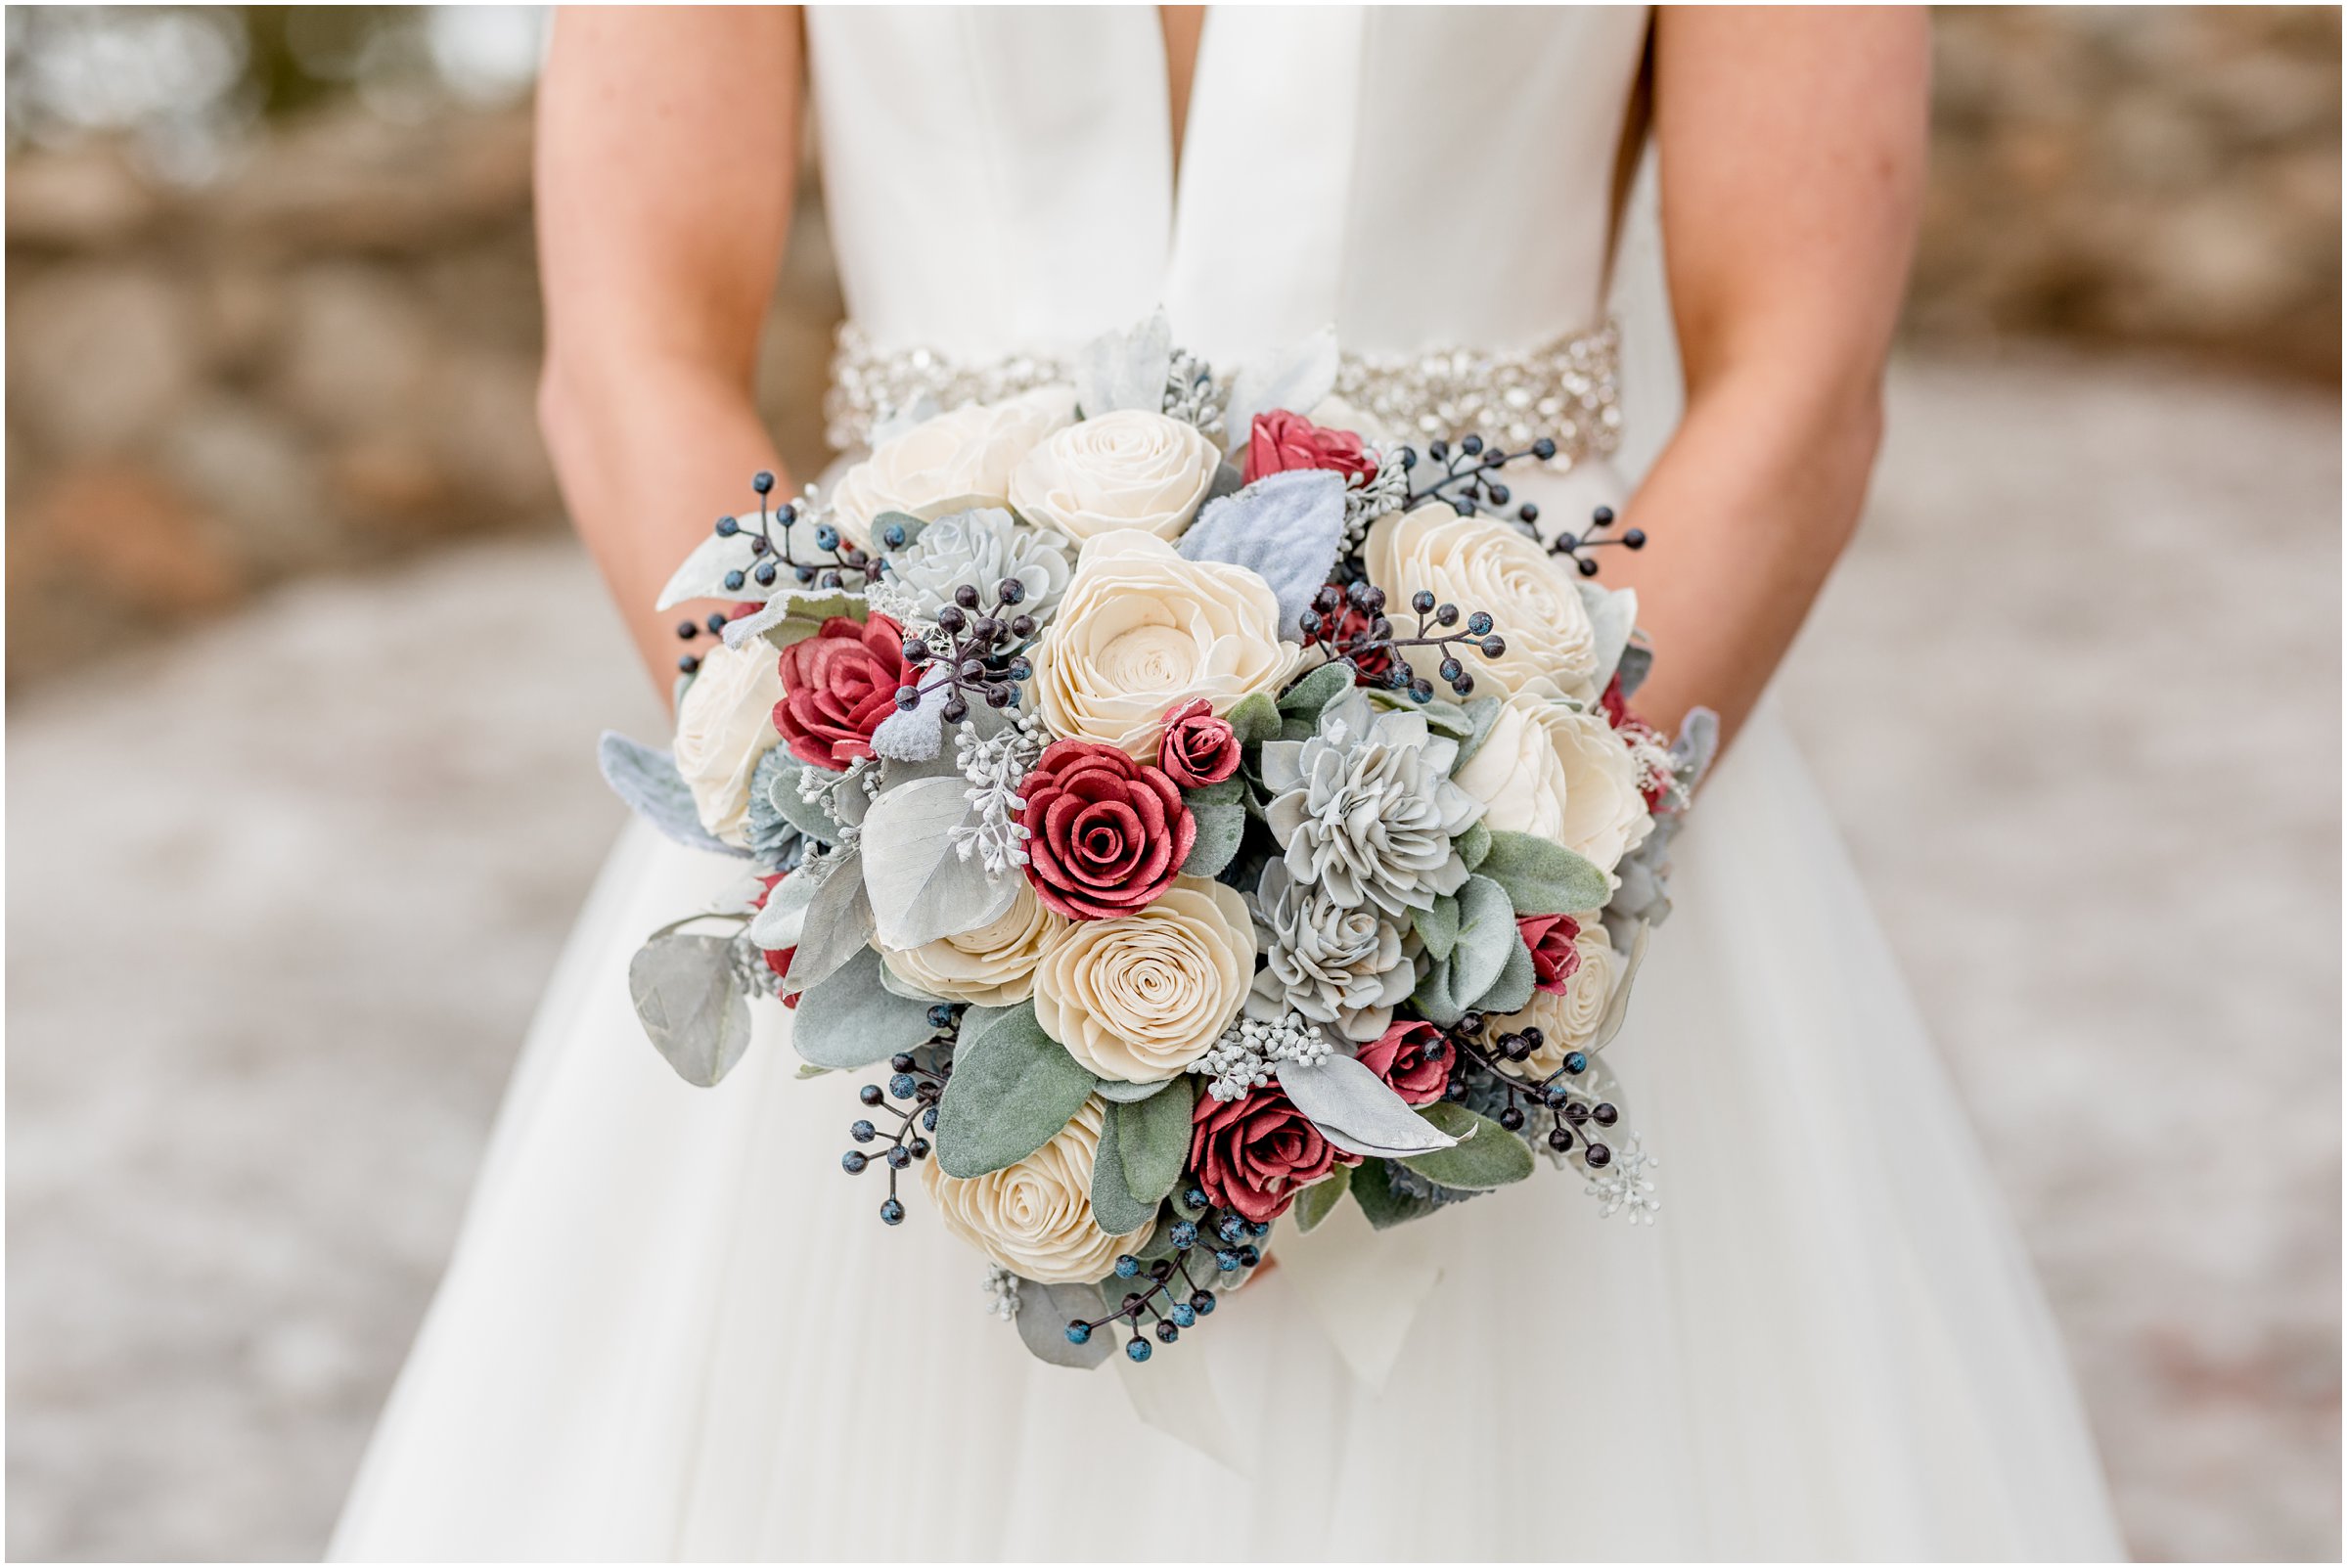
[[1564, 389]]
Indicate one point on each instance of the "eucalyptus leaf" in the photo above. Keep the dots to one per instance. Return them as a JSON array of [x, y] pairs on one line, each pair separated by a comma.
[[812, 817], [1487, 934], [882, 521], [1046, 1311], [1473, 844], [1542, 877], [1152, 1140], [1385, 1207], [647, 780], [1285, 528], [1357, 1110], [779, 923], [1319, 1200], [690, 999], [922, 886], [1119, 1093], [1698, 745], [837, 924], [1486, 1155], [1438, 926], [1010, 1092], [1116, 1208], [1219, 830], [850, 1019]]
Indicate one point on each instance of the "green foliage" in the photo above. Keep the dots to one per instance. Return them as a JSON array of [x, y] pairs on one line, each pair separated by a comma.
[[1013, 1088]]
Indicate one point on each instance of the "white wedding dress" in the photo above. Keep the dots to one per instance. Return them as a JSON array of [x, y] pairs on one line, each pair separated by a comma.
[[673, 1328]]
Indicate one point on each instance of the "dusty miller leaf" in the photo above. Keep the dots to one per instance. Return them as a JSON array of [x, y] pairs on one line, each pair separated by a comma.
[[1285, 528], [1124, 370], [689, 1000], [810, 606], [647, 780], [915, 733]]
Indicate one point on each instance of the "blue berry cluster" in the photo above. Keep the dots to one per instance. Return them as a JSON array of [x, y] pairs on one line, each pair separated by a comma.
[[915, 1086], [1467, 482], [1367, 641], [1160, 1292], [1515, 1103], [980, 662], [772, 554]]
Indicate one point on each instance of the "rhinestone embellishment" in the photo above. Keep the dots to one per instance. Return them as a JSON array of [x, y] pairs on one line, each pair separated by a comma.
[[1564, 389]]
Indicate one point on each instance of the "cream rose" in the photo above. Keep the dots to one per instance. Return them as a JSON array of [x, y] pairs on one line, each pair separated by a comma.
[[1561, 775], [1141, 630], [951, 462], [1123, 470], [1479, 565], [992, 967], [1036, 1218], [1567, 1020], [1140, 997], [724, 724]]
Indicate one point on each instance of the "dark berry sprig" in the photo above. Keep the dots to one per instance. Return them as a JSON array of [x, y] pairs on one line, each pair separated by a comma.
[[980, 662], [1573, 547], [1350, 624], [912, 1082], [1467, 481], [1570, 1113], [1163, 1289]]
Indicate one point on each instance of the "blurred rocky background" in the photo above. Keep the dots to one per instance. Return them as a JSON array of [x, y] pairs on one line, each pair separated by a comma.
[[276, 508]]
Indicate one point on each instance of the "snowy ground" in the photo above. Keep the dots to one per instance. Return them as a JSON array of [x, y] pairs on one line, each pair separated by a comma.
[[281, 897]]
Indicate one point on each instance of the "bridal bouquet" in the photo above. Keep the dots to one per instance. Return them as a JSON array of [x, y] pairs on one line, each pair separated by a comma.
[[1189, 811]]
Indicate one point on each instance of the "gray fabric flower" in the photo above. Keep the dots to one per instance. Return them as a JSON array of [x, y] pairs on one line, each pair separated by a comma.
[[1367, 809], [981, 547], [1346, 968]]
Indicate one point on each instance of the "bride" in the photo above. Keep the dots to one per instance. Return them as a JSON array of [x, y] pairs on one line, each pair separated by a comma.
[[669, 1331]]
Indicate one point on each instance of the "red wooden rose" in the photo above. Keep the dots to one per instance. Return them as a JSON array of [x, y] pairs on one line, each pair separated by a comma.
[[1197, 748], [1105, 834], [1253, 1155], [1554, 957], [838, 685], [1280, 441], [1413, 1058]]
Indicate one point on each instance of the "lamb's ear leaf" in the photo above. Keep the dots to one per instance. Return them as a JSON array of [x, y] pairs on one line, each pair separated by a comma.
[[1285, 528], [1357, 1110], [1612, 617], [1319, 1200], [1438, 926], [1255, 717], [837, 925], [1543, 878], [1486, 1155], [1472, 845], [1512, 990], [1152, 1140], [1046, 1311], [1485, 936], [1301, 704], [691, 1002], [804, 610], [1013, 1088], [1219, 830], [1117, 1092], [851, 1018], [1385, 1207], [647, 780], [1115, 1208]]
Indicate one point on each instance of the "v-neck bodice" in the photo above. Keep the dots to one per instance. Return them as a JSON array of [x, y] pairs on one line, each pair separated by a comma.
[[1000, 180]]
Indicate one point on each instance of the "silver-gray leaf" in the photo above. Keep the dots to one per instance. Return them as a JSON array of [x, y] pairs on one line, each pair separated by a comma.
[[647, 780], [1285, 528], [1046, 1311], [1295, 377], [1357, 1111], [1612, 617], [779, 923], [688, 997], [811, 606], [853, 1019], [914, 734], [838, 925], [1124, 370]]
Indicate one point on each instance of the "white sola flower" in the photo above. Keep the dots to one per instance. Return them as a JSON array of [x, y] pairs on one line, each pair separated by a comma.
[[1341, 966], [982, 547], [1366, 808]]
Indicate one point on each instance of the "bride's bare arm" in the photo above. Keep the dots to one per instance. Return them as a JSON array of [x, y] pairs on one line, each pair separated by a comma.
[[666, 155], [1792, 147]]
